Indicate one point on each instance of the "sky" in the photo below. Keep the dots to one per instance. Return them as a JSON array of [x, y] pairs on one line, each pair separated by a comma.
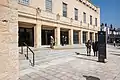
[[110, 11]]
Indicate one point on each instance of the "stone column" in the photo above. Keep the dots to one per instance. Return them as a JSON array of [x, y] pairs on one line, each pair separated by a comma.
[[37, 34], [57, 36], [81, 37], [71, 36], [9, 56]]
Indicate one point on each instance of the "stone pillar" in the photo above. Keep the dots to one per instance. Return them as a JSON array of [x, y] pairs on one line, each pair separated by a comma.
[[57, 36], [81, 37], [9, 56], [37, 34], [71, 36]]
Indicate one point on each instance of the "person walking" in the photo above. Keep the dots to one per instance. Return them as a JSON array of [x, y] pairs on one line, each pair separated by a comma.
[[63, 40], [51, 42], [96, 48], [114, 43], [93, 47], [88, 45]]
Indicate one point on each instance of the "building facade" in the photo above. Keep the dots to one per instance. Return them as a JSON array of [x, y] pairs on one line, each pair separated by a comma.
[[77, 20], [34, 21]]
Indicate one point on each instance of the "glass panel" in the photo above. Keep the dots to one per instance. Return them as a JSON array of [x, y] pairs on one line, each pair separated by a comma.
[[95, 21], [49, 5], [84, 17], [64, 10], [90, 19], [76, 37], [76, 14], [25, 2]]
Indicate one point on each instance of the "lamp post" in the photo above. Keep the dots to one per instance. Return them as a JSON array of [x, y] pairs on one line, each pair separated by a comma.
[[102, 27]]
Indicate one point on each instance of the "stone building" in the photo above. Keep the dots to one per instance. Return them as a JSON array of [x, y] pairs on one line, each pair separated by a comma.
[[34, 21], [78, 20]]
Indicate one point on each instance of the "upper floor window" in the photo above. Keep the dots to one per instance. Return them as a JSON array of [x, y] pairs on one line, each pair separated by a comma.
[[76, 14], [64, 9], [25, 2], [90, 20], [84, 17], [95, 21], [49, 5]]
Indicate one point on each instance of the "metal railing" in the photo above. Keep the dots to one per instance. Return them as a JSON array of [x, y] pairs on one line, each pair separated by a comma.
[[27, 56]]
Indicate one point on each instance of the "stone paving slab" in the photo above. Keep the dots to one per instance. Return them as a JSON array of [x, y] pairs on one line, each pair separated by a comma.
[[66, 65]]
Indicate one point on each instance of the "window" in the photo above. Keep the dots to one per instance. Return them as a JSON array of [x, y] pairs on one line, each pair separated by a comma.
[[95, 21], [90, 20], [75, 37], [76, 14], [84, 17], [49, 5], [64, 10], [24, 2]]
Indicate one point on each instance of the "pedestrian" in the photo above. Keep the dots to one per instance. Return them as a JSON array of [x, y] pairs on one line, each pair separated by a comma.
[[51, 42], [96, 48], [114, 43], [88, 45], [63, 40], [93, 47]]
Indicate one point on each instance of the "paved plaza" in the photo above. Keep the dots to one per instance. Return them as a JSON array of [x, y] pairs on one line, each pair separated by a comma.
[[64, 64]]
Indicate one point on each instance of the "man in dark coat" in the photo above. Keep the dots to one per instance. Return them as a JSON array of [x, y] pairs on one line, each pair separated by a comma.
[[93, 47], [63, 40], [88, 45], [96, 48]]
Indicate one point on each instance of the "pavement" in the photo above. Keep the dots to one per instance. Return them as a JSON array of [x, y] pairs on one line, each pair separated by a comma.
[[64, 64]]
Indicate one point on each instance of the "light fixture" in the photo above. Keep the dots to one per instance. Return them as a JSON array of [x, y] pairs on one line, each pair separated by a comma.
[[4, 21]]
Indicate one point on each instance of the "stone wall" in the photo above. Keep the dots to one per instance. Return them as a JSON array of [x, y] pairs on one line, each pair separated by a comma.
[[9, 57]]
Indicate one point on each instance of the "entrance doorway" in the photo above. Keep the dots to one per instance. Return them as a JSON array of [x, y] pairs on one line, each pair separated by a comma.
[[75, 37], [91, 36], [46, 36], [64, 34], [84, 37], [26, 35]]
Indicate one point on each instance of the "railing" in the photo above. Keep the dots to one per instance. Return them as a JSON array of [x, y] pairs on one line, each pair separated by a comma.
[[27, 56]]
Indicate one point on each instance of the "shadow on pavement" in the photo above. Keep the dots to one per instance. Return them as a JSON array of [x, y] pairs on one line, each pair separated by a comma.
[[77, 53], [87, 59], [91, 77], [115, 54]]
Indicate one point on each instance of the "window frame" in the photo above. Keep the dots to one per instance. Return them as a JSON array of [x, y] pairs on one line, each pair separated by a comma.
[[96, 21], [90, 19], [76, 13], [48, 5], [64, 9], [84, 17]]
